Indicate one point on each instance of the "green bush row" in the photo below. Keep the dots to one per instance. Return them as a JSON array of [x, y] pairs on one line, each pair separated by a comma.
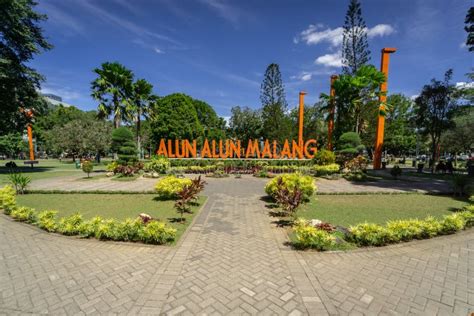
[[239, 163], [368, 234], [153, 232]]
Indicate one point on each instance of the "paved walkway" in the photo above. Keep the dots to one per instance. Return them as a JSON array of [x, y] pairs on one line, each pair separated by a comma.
[[231, 261], [413, 184]]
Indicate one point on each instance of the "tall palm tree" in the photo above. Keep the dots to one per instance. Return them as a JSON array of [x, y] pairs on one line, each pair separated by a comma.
[[139, 104], [112, 89]]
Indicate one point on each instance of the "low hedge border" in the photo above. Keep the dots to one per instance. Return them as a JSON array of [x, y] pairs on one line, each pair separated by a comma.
[[374, 235], [134, 230]]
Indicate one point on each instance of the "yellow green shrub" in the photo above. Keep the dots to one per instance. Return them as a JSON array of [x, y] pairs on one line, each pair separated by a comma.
[[310, 237], [7, 199], [290, 181], [326, 169], [168, 187], [47, 220]]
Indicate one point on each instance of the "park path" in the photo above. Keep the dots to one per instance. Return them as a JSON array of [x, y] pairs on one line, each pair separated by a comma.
[[232, 260], [410, 184]]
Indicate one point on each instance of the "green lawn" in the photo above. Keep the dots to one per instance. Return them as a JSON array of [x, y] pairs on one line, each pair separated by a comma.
[[46, 168], [119, 206], [348, 210]]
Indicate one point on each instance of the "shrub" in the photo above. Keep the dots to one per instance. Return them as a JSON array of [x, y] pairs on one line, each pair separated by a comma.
[[350, 143], [312, 237], [468, 217], [124, 145], [47, 220], [7, 199], [87, 167], [88, 228], [431, 227], [357, 176], [19, 181], [459, 182], [129, 229], [156, 232], [111, 167], [452, 223], [158, 164], [168, 187], [356, 164], [106, 229], [70, 225], [324, 157], [288, 200], [24, 214], [368, 234], [326, 169], [290, 181], [405, 230], [396, 171]]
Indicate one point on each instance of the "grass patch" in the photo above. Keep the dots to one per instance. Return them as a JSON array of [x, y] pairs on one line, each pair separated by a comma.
[[125, 178], [346, 210], [118, 206], [45, 169]]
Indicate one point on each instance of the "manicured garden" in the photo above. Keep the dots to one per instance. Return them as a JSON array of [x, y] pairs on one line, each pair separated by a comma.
[[341, 222], [346, 210], [117, 206]]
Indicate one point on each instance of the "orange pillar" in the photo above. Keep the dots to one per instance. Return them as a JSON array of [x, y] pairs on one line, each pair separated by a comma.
[[332, 93], [382, 99], [301, 118], [30, 142]]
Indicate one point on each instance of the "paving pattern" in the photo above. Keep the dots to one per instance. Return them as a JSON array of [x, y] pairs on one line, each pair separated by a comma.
[[408, 184], [231, 261]]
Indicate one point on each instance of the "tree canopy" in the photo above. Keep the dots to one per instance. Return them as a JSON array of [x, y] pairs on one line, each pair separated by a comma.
[[21, 38]]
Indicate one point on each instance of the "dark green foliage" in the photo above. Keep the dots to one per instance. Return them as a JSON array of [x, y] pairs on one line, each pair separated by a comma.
[[436, 107], [213, 125], [396, 171], [11, 144], [175, 118], [469, 21], [349, 143], [124, 145], [276, 125], [400, 136], [245, 123], [20, 39], [113, 88], [355, 48]]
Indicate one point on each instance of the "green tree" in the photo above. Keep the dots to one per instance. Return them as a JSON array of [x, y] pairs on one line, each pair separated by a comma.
[[276, 124], [460, 138], [213, 125], [12, 144], [356, 100], [435, 110], [80, 138], [350, 143], [21, 37], [139, 105], [112, 88], [400, 136], [355, 48], [174, 117], [124, 145], [314, 125], [245, 124], [469, 21]]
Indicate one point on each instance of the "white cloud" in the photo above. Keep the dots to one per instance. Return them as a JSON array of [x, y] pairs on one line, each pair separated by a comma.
[[413, 97], [380, 30], [158, 51], [316, 34], [462, 45], [330, 60], [225, 10], [65, 93]]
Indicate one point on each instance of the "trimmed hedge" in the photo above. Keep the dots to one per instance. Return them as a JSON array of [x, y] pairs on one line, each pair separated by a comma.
[[153, 232]]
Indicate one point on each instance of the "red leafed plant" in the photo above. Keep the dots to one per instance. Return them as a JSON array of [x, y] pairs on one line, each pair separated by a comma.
[[288, 200], [187, 195], [325, 226]]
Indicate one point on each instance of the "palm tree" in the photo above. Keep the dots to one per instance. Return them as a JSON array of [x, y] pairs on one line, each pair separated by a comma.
[[139, 104], [112, 89]]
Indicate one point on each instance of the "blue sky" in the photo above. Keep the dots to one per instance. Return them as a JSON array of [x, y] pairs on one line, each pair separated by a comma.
[[217, 50]]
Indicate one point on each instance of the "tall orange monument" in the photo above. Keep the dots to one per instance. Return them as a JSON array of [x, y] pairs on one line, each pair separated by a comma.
[[332, 111], [301, 119], [385, 60]]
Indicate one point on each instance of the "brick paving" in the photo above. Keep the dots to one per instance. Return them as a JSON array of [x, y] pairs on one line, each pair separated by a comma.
[[409, 184], [231, 261]]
